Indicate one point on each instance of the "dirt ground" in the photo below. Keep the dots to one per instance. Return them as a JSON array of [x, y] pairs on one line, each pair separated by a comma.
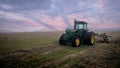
[[53, 55]]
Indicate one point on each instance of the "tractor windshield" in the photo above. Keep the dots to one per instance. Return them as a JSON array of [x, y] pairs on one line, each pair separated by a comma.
[[79, 26]]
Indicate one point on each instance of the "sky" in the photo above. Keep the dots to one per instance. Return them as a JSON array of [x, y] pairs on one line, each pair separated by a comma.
[[58, 15]]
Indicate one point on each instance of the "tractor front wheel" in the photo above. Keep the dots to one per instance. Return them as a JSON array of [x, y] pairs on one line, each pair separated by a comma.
[[61, 40], [76, 41]]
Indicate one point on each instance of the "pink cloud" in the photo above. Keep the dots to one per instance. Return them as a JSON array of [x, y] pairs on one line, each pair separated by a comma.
[[95, 22], [55, 22], [108, 24], [22, 23]]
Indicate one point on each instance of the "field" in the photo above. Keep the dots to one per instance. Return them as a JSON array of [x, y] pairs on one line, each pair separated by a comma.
[[42, 50]]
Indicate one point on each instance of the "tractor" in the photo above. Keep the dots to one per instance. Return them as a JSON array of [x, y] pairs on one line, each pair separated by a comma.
[[77, 36]]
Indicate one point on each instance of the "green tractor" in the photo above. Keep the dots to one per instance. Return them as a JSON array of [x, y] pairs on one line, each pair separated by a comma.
[[77, 36]]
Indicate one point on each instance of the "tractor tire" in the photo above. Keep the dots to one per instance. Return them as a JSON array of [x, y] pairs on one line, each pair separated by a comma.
[[61, 40], [90, 38], [76, 41]]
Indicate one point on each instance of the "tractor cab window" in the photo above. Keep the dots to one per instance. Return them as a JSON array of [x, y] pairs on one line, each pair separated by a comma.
[[79, 26], [85, 26]]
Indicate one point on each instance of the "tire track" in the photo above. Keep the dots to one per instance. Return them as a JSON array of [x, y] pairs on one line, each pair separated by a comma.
[[104, 50]]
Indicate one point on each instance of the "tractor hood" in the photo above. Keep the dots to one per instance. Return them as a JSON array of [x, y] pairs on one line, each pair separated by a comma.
[[69, 33], [79, 31], [72, 32]]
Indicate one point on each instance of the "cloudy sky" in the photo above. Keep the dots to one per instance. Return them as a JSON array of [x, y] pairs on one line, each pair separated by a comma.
[[52, 15]]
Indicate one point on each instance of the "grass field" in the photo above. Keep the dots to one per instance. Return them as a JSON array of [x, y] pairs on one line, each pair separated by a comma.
[[41, 50]]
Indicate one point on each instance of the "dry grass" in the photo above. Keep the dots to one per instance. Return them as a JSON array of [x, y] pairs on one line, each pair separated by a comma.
[[41, 49]]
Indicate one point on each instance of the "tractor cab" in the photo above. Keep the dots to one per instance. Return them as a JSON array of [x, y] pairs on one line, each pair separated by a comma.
[[80, 25]]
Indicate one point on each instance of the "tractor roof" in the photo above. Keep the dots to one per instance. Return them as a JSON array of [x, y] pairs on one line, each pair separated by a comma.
[[80, 22]]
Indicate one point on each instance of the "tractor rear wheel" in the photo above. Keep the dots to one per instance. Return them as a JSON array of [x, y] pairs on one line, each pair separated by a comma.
[[61, 40], [76, 41], [91, 38]]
